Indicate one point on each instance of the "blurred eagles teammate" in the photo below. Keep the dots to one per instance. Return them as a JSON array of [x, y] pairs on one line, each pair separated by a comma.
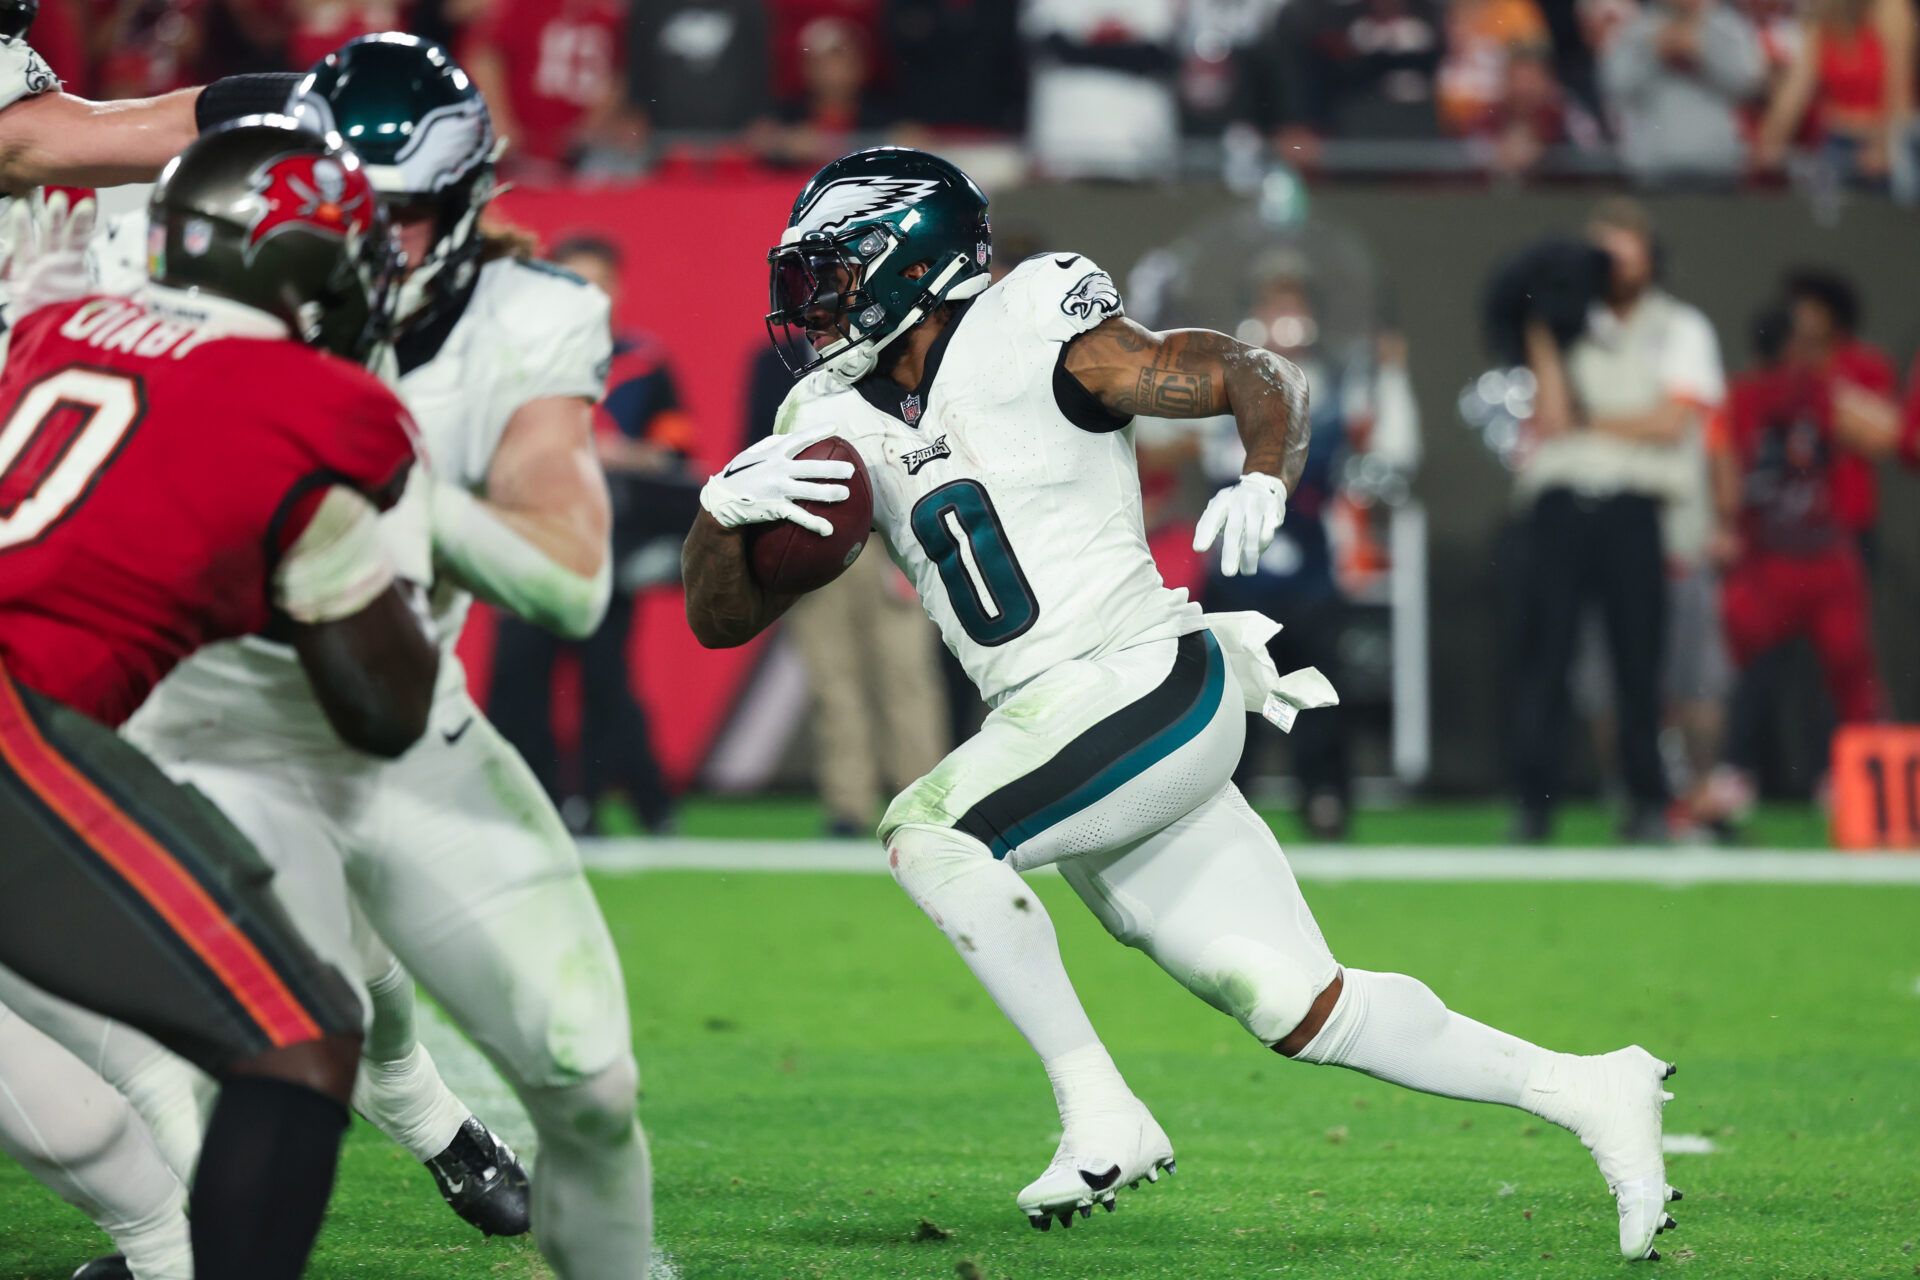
[[456, 858], [992, 421]]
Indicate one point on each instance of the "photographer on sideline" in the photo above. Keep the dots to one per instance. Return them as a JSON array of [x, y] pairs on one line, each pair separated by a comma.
[[1618, 419]]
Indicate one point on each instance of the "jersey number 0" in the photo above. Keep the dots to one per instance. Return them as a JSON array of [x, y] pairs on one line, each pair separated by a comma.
[[62, 431], [961, 533]]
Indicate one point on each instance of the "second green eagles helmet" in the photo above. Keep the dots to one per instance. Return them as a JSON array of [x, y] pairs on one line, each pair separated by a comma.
[[839, 289], [264, 213], [423, 130]]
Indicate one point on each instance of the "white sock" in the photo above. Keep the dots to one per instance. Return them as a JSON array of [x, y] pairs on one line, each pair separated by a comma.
[[1394, 1028], [997, 924], [398, 1087]]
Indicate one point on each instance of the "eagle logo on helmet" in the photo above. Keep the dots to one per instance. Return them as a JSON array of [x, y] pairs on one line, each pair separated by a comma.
[[849, 201], [316, 194]]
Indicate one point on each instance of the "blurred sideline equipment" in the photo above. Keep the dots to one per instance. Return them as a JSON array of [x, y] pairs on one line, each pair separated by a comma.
[[1876, 787], [1119, 708]]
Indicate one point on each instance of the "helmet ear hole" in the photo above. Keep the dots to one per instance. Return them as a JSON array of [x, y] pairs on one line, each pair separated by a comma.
[[916, 270]]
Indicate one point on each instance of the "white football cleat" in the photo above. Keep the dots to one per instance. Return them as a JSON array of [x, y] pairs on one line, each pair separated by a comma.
[[1621, 1100], [1099, 1152]]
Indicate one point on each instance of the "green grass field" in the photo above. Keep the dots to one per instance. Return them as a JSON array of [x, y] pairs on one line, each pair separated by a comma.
[[830, 1095]]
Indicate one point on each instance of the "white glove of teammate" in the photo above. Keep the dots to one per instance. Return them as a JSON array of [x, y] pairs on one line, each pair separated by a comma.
[[766, 483], [49, 229], [1243, 519]]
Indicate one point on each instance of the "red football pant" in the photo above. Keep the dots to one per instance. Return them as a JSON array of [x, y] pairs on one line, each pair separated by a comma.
[[1768, 599]]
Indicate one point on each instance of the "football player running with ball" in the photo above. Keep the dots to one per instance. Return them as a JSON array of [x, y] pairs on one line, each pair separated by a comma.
[[992, 423]]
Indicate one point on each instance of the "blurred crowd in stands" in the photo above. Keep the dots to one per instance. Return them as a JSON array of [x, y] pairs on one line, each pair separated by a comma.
[[1673, 91]]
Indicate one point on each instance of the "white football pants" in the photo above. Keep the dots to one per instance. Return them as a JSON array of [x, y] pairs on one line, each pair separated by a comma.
[[84, 1141], [459, 863]]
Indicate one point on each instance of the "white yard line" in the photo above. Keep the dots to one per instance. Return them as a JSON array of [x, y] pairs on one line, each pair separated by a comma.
[[1688, 1144], [1399, 862]]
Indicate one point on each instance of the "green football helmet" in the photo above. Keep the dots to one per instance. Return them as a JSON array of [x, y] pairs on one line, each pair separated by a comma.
[[424, 132], [266, 213], [838, 284]]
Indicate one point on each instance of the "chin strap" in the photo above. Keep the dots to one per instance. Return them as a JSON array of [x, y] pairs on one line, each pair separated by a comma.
[[863, 354]]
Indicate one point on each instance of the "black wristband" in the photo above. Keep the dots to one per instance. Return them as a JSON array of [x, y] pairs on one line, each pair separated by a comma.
[[231, 97]]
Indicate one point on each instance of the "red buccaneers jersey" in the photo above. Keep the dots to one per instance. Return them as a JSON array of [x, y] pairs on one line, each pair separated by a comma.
[[151, 472]]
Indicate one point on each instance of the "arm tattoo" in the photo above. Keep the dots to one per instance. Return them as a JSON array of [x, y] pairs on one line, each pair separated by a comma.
[[725, 606], [1195, 373]]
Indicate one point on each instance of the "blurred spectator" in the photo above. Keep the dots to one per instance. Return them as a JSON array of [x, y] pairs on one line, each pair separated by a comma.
[[1851, 81], [880, 712], [837, 103], [1483, 37], [1531, 115], [1102, 100], [790, 18], [1618, 419], [961, 68], [146, 47], [1794, 568], [700, 65], [321, 26], [1218, 63], [644, 439], [554, 78], [1356, 405], [1350, 69], [1824, 314], [1676, 78]]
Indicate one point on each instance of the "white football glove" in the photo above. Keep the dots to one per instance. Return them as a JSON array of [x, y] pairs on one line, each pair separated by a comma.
[[1243, 519], [767, 482], [49, 229]]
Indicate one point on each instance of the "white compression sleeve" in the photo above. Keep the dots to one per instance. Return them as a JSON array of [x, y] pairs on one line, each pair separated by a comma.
[[1394, 1028], [489, 556]]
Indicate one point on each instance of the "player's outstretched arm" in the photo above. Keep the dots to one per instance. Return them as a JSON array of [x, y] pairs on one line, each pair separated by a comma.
[[60, 139], [1197, 373]]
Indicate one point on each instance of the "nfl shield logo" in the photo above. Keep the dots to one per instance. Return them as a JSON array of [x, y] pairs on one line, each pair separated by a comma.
[[910, 411], [981, 252], [197, 238]]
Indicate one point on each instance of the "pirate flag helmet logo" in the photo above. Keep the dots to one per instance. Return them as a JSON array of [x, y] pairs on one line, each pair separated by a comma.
[[313, 193]]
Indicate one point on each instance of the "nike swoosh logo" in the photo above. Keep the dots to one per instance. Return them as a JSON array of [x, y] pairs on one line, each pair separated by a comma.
[[455, 1188], [734, 471], [1100, 1181], [1067, 261], [457, 734]]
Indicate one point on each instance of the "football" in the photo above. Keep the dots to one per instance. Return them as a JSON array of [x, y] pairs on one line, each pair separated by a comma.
[[791, 560]]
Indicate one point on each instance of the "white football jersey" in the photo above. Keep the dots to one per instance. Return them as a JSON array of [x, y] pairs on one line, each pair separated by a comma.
[[529, 332], [1005, 492]]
